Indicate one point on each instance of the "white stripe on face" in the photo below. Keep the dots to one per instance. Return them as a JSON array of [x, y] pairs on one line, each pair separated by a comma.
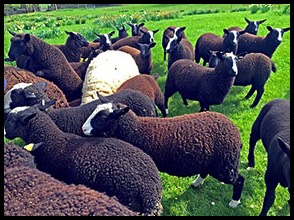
[[233, 57], [255, 24], [279, 30], [151, 36], [169, 42], [19, 109], [235, 36], [107, 39], [87, 128], [7, 96]]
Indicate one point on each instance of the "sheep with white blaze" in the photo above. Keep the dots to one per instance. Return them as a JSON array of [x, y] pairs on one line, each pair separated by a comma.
[[211, 41], [178, 48], [205, 143], [253, 69], [136, 28], [272, 127], [207, 85], [262, 44], [252, 26], [107, 165], [106, 73]]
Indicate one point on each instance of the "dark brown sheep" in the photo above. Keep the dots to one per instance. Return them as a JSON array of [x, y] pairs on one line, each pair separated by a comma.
[[206, 143], [53, 65]]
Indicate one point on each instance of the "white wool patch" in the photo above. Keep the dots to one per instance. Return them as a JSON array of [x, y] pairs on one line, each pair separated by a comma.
[[7, 96], [279, 30], [87, 128], [106, 73], [171, 40], [234, 66]]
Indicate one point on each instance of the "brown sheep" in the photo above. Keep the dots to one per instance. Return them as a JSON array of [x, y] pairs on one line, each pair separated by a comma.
[[146, 84], [53, 65]]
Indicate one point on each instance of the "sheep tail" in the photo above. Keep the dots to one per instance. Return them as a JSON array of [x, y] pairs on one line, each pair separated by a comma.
[[274, 68]]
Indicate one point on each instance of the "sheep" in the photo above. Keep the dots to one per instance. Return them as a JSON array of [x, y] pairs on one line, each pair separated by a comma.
[[122, 33], [81, 67], [16, 75], [205, 143], [252, 26], [24, 94], [142, 57], [146, 38], [118, 65], [272, 127], [52, 63], [107, 165], [178, 48], [28, 191], [71, 119], [210, 41], [86, 51], [169, 31], [136, 28], [73, 46], [262, 44], [207, 85], [146, 84], [253, 69], [105, 42]]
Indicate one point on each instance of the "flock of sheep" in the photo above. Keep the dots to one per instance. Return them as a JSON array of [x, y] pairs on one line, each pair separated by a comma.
[[59, 95]]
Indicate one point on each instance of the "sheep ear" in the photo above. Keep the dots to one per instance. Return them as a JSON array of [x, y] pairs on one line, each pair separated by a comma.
[[99, 35], [119, 112], [144, 32], [43, 106], [182, 29], [131, 25], [41, 85], [269, 28], [242, 32], [111, 33], [286, 29], [142, 24], [11, 32], [209, 51], [102, 98], [284, 146], [27, 37], [123, 28], [261, 21], [226, 31], [155, 31], [67, 32], [247, 20], [29, 95], [32, 147]]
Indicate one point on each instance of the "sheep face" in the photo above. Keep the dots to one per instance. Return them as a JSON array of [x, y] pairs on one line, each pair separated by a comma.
[[19, 46], [252, 26], [26, 96], [135, 28], [172, 43], [78, 39], [276, 34], [122, 32], [229, 61], [231, 39], [145, 49], [13, 95], [102, 121], [105, 42], [148, 36]]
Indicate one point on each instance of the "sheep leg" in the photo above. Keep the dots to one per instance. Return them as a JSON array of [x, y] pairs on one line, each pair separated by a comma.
[[237, 191], [199, 180], [185, 101], [204, 107], [270, 194], [250, 93], [252, 143], [260, 92]]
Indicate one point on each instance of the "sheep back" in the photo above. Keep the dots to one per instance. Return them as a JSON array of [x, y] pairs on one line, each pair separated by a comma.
[[106, 73]]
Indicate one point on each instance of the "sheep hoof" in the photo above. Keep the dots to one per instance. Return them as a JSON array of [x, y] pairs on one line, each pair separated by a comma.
[[234, 203]]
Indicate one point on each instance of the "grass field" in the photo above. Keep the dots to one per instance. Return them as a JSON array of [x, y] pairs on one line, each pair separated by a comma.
[[179, 198]]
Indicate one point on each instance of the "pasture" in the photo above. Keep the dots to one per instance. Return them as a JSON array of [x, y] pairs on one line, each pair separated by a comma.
[[179, 198]]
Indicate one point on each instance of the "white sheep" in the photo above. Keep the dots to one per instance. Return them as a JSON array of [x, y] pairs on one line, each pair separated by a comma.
[[106, 73]]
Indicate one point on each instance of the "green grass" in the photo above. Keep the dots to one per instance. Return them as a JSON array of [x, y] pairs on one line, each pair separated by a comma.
[[179, 198]]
